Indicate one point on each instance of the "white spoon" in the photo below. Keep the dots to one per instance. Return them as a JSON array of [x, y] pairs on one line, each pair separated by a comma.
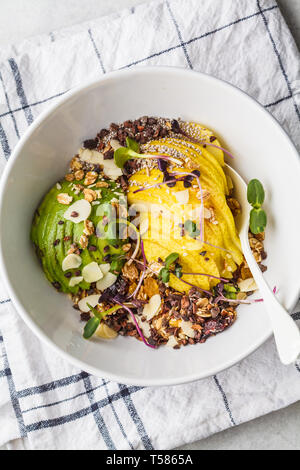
[[286, 332]]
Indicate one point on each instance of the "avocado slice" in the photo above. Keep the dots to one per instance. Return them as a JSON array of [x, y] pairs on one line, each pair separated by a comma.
[[53, 235]]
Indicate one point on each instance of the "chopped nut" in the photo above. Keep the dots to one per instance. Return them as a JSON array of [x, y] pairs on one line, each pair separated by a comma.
[[75, 164], [77, 188], [151, 287], [83, 241], [245, 273], [79, 175], [205, 195], [102, 184], [257, 256], [260, 236], [126, 247], [141, 295], [197, 328], [130, 272], [88, 227], [69, 177], [64, 198], [90, 178], [202, 303], [89, 195], [73, 248], [234, 205]]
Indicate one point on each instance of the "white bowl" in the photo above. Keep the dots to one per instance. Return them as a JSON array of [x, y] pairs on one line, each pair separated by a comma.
[[262, 150]]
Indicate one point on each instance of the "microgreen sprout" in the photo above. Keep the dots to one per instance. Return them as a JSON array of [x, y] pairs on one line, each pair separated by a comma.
[[93, 323], [256, 197], [164, 274]]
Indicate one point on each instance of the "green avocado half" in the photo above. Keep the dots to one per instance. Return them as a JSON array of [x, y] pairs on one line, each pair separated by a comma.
[[53, 235]]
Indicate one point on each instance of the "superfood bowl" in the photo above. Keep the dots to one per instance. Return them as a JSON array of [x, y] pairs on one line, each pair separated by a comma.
[[262, 150]]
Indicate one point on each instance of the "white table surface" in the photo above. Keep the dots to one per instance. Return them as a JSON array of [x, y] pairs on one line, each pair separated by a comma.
[[20, 19]]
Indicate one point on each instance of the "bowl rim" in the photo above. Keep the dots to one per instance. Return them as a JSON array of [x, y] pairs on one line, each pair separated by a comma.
[[17, 153]]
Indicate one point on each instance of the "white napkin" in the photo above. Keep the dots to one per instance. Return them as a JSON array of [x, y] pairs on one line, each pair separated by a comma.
[[44, 399]]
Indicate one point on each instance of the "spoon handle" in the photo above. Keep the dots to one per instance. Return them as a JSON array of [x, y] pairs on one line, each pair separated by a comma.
[[286, 332]]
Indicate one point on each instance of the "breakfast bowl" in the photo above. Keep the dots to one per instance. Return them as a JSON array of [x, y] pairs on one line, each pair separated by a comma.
[[261, 149]]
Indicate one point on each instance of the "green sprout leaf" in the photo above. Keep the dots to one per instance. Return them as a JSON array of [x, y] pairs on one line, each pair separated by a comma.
[[258, 221], [164, 275], [256, 194], [230, 288], [133, 145], [230, 295], [171, 259], [178, 271], [191, 228], [122, 155], [91, 327]]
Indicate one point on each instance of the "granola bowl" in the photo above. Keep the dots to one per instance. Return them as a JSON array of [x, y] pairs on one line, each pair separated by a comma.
[[262, 150]]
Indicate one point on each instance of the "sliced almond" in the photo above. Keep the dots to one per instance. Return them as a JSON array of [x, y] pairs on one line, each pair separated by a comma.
[[74, 281], [107, 281], [115, 144], [71, 261], [90, 299], [111, 170], [105, 268], [182, 197], [187, 329], [78, 212], [153, 307], [92, 272], [106, 332], [248, 285]]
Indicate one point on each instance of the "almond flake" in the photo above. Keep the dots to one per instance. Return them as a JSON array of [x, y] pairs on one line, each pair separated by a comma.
[[153, 307], [91, 156], [104, 268], [92, 272], [71, 261], [172, 342], [82, 208], [105, 332], [187, 329], [90, 299], [248, 285], [74, 281], [107, 281]]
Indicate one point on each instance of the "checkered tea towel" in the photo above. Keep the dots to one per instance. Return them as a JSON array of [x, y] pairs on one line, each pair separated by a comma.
[[46, 401]]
